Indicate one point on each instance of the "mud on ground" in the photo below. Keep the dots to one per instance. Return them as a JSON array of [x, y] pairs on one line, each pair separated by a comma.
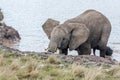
[[89, 60]]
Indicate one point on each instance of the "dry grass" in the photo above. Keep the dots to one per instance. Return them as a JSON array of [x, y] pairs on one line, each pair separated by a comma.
[[94, 74], [53, 60], [29, 68], [78, 70], [114, 71]]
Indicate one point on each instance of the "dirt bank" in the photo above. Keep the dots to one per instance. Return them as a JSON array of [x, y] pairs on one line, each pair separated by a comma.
[[80, 59]]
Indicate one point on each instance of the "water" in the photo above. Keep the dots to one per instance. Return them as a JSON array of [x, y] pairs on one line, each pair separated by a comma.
[[28, 16]]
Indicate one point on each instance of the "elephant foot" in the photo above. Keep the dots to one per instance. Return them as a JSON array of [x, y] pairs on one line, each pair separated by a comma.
[[63, 51], [102, 53], [109, 51]]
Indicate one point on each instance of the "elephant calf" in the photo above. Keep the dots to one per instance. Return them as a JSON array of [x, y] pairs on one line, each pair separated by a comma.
[[87, 31]]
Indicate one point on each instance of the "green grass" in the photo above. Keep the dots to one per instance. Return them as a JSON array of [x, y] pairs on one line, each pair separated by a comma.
[[33, 68]]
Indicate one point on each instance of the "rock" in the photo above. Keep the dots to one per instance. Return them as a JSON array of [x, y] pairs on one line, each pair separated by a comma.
[[88, 60], [8, 34], [49, 25], [1, 15]]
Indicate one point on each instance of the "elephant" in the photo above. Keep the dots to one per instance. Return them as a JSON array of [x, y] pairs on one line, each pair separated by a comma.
[[88, 30], [48, 27], [1, 15]]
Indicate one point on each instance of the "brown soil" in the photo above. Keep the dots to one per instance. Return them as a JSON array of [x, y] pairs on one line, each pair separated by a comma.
[[79, 59]]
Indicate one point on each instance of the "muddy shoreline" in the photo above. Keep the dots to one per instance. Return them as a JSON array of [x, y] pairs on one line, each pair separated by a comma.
[[70, 59]]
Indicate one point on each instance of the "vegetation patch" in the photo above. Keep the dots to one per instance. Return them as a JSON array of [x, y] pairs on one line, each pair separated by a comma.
[[31, 67]]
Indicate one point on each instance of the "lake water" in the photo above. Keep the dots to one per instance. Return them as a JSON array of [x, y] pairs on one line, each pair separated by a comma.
[[27, 16]]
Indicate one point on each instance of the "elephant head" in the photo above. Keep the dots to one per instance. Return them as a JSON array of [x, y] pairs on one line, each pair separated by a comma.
[[1, 15], [48, 28], [75, 33]]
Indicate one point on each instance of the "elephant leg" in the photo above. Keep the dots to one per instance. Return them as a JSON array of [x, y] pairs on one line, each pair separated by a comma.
[[108, 51], [78, 50], [104, 39], [94, 51], [84, 49], [102, 47], [63, 51], [102, 53]]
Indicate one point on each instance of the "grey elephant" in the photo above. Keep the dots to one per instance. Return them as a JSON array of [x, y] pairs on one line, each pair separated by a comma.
[[48, 27], [1, 15], [89, 30]]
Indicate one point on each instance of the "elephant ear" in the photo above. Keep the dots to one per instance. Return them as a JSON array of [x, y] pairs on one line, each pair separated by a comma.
[[49, 25], [79, 35]]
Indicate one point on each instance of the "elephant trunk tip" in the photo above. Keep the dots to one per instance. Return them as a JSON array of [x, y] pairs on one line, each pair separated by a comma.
[[49, 51]]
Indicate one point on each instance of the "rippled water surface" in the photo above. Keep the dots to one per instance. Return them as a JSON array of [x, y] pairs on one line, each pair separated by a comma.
[[27, 16]]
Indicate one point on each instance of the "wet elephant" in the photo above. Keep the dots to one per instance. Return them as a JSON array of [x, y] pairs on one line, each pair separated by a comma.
[[86, 31]]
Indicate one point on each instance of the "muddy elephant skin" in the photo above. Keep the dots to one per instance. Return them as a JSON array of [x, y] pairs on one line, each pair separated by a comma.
[[84, 32]]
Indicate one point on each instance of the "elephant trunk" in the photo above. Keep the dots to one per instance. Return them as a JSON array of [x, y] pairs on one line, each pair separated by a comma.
[[57, 36], [52, 47]]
